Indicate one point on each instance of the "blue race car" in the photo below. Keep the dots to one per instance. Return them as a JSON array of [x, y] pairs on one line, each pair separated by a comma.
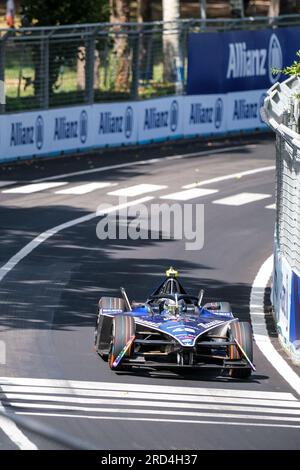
[[172, 330]]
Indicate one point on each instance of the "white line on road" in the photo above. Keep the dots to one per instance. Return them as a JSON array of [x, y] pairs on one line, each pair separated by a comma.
[[271, 206], [32, 188], [188, 194], [136, 190], [84, 188], [260, 330], [160, 411], [20, 392], [125, 387], [15, 434], [146, 162], [218, 179], [33, 400], [241, 199], [162, 420]]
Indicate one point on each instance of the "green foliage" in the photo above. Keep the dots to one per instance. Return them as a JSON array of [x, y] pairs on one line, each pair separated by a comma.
[[60, 12], [292, 70]]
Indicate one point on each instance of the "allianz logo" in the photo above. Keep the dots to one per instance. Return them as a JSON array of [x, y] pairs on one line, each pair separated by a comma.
[[116, 124], [71, 129], [245, 110], [154, 119], [21, 134], [244, 62], [200, 114]]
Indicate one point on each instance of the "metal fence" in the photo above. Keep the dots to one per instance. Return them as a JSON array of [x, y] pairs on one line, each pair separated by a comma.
[[67, 65], [281, 112]]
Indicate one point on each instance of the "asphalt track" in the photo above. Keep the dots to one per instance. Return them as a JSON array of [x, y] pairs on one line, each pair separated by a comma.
[[48, 303]]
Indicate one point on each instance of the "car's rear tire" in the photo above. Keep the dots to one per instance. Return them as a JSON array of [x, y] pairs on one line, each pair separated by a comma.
[[123, 329], [242, 332]]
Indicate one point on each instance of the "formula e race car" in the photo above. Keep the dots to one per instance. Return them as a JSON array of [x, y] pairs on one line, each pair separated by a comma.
[[172, 330]]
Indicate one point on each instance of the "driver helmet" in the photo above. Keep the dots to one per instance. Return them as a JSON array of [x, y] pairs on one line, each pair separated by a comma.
[[170, 306]]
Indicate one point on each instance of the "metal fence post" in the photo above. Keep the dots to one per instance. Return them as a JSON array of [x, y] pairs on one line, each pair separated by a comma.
[[89, 69], [135, 67], [45, 53], [2, 72]]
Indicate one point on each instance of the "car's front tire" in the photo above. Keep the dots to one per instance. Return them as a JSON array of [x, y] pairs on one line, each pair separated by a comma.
[[123, 329], [242, 332]]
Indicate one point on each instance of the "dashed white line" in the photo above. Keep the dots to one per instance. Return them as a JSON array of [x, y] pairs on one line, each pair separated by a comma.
[[271, 206], [136, 190], [188, 194], [84, 188], [32, 188], [241, 199]]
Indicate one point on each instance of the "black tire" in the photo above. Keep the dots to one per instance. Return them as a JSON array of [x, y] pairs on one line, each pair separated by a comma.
[[243, 333], [109, 303], [123, 329]]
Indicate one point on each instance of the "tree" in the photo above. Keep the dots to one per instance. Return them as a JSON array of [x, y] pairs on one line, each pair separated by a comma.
[[55, 13], [60, 12], [120, 13], [171, 40], [274, 8]]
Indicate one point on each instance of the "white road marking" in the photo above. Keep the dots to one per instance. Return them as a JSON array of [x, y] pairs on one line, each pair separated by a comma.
[[21, 392], [51, 397], [161, 420], [84, 188], [271, 206], [260, 330], [241, 199], [6, 183], [218, 179], [127, 387], [192, 413], [35, 399], [189, 194], [32, 188], [15, 434], [136, 190], [147, 162]]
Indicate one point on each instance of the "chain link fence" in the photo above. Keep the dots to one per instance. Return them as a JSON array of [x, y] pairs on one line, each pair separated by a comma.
[[282, 111], [67, 65]]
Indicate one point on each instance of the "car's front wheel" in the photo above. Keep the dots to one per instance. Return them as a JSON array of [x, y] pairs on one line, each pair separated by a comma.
[[123, 330], [242, 332]]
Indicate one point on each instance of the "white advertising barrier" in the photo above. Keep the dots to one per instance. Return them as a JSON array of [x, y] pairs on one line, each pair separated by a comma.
[[243, 110], [37, 133], [285, 298], [160, 119], [115, 124], [204, 114], [45, 132]]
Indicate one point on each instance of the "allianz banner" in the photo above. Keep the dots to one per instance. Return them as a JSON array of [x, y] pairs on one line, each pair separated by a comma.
[[239, 60]]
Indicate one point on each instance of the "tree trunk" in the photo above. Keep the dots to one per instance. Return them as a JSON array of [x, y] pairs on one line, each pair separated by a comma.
[[120, 13], [274, 8], [171, 40]]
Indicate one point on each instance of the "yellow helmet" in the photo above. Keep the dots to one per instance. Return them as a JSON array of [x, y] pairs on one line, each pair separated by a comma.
[[171, 272]]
